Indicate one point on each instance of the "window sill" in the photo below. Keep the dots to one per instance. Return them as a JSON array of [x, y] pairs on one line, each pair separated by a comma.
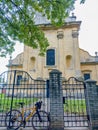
[[50, 66]]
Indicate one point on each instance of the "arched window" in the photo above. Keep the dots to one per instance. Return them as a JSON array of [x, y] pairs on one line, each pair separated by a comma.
[[50, 57], [19, 78], [86, 76], [32, 63], [68, 61]]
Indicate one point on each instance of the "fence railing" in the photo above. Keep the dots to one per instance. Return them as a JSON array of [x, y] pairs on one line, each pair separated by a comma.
[[74, 99], [17, 86], [68, 103]]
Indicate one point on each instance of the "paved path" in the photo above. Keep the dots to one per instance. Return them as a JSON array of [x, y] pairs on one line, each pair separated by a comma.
[[75, 128]]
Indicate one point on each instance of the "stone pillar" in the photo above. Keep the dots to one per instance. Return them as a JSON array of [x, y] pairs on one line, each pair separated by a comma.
[[92, 103], [56, 101]]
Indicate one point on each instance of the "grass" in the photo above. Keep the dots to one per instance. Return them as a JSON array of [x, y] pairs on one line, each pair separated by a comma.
[[71, 106], [75, 106], [5, 102]]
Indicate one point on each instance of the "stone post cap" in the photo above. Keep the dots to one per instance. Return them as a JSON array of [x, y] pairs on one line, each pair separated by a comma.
[[90, 81], [55, 71]]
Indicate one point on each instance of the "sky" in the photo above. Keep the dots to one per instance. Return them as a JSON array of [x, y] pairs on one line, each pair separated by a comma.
[[88, 36]]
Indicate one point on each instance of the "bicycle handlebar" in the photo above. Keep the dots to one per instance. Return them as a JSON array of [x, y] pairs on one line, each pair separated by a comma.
[[38, 104]]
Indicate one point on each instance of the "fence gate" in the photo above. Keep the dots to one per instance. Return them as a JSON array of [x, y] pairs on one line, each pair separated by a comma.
[[18, 86], [74, 101]]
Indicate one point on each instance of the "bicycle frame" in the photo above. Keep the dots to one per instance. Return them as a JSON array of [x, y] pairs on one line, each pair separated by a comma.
[[18, 118], [33, 110]]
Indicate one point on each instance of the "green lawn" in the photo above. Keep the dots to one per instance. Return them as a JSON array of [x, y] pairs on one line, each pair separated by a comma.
[[75, 106], [71, 106], [5, 102]]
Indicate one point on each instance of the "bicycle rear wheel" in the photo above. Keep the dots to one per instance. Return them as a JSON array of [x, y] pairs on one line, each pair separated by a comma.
[[43, 124], [13, 119]]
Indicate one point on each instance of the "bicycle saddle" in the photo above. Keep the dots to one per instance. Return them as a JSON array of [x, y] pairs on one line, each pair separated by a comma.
[[21, 103]]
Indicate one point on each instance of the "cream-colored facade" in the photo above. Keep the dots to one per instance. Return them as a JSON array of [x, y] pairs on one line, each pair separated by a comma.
[[68, 57]]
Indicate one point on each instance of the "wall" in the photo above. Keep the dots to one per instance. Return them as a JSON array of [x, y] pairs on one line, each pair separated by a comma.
[[70, 60], [64, 47]]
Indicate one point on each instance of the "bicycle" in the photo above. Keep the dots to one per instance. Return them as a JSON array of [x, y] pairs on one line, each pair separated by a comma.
[[14, 119]]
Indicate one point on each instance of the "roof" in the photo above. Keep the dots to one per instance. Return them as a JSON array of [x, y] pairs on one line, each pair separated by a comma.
[[40, 19]]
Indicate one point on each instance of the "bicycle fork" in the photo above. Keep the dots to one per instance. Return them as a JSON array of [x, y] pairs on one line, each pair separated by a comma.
[[39, 116]]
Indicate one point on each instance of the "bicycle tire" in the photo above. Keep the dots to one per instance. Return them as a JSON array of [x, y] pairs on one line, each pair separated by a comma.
[[13, 119], [44, 125]]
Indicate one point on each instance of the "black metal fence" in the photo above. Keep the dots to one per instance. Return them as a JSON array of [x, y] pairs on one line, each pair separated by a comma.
[[18, 86], [74, 99]]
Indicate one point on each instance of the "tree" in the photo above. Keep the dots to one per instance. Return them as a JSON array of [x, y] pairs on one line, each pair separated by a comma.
[[17, 22]]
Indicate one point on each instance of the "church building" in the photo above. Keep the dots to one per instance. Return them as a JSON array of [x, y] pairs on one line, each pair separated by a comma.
[[62, 54]]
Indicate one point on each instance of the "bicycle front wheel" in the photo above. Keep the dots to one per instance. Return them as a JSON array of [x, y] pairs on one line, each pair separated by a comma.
[[13, 119], [42, 124]]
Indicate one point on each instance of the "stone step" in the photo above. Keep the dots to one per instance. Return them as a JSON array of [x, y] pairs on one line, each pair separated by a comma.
[[72, 128], [77, 128]]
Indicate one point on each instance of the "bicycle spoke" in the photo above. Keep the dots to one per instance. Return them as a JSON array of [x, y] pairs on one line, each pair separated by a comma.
[[13, 119], [40, 125]]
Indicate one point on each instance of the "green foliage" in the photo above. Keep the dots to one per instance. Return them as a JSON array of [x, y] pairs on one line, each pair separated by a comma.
[[75, 106], [17, 22]]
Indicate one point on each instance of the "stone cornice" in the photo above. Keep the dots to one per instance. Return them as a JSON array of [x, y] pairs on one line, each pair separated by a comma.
[[66, 25]]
